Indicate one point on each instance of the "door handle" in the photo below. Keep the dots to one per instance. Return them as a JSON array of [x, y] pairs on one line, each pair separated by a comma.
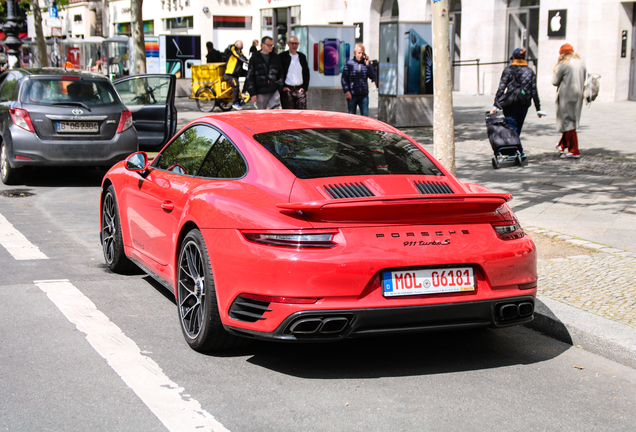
[[167, 206]]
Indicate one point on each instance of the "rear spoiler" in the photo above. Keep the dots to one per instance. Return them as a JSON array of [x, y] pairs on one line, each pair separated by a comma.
[[402, 208]]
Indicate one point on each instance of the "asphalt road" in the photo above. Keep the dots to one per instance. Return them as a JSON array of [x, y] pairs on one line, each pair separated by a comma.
[[57, 372]]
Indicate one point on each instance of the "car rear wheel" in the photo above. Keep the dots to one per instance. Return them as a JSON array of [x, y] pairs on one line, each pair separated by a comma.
[[9, 175], [112, 240], [206, 99], [196, 298]]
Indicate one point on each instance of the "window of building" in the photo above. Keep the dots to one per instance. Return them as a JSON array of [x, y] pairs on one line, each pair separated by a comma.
[[179, 23], [390, 9], [125, 29], [237, 22], [77, 18]]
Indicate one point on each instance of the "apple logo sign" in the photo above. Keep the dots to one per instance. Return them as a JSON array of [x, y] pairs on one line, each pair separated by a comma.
[[555, 22]]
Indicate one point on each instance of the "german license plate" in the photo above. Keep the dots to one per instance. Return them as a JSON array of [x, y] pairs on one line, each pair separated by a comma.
[[427, 281], [77, 127]]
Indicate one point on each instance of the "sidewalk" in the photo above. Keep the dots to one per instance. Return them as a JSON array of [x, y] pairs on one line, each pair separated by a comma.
[[587, 299]]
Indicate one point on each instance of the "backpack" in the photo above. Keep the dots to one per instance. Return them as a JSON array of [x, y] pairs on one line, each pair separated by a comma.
[[592, 86], [515, 94]]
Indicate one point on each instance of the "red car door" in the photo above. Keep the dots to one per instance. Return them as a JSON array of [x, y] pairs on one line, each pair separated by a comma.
[[155, 208]]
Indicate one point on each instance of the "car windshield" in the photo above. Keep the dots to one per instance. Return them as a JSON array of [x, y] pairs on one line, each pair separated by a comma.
[[316, 153], [50, 91]]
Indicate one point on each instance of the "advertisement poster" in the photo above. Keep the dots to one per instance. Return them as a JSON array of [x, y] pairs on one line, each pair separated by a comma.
[[327, 50], [406, 59], [73, 56], [152, 54], [178, 54], [417, 60]]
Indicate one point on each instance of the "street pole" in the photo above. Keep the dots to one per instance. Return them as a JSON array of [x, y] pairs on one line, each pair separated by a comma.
[[11, 28], [443, 121]]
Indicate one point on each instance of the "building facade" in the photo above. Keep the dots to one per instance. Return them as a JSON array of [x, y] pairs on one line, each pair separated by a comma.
[[484, 32]]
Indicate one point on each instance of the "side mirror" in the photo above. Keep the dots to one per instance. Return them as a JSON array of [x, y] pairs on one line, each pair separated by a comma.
[[137, 162]]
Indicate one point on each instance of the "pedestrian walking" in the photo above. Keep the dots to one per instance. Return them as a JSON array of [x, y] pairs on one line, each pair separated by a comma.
[[296, 73], [213, 55], [254, 47], [265, 76], [234, 69], [517, 90], [569, 78], [354, 82]]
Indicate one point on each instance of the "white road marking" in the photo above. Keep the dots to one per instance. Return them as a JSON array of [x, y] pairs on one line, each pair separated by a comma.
[[177, 411], [16, 243]]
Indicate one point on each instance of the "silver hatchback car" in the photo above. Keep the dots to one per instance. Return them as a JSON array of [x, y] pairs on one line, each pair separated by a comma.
[[58, 117]]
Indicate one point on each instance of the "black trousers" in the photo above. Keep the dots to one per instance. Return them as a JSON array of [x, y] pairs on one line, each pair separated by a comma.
[[235, 87], [293, 99]]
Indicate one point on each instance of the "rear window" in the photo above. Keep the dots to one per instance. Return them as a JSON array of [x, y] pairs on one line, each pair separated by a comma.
[[52, 91], [316, 153]]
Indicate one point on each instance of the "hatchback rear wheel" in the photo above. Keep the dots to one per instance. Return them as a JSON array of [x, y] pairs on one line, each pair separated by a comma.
[[8, 174]]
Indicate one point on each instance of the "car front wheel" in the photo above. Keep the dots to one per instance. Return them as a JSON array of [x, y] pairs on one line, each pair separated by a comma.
[[112, 240], [9, 175], [196, 298]]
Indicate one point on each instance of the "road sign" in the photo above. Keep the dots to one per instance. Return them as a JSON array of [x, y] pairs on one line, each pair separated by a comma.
[[56, 31], [53, 11]]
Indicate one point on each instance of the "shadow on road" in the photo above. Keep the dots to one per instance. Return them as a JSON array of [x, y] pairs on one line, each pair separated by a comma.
[[407, 355], [61, 177]]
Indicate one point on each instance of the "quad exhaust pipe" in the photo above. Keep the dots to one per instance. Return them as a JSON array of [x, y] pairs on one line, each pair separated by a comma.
[[510, 311], [319, 325]]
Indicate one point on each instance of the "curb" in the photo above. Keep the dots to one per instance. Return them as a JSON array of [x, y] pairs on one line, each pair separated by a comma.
[[585, 330]]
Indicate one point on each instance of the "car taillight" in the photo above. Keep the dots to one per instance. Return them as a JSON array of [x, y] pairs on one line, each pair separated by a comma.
[[508, 230], [21, 119], [125, 121], [294, 239]]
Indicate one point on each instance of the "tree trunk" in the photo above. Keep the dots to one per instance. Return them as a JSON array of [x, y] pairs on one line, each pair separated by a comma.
[[139, 46], [39, 34], [443, 121]]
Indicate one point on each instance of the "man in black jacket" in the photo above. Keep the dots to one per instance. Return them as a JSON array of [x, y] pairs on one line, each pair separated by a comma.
[[296, 73], [213, 55], [265, 76]]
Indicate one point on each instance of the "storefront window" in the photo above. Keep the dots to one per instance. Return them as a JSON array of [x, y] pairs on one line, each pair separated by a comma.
[[522, 3], [124, 28], [179, 23], [236, 22]]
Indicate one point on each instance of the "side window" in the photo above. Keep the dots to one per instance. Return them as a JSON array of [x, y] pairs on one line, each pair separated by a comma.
[[186, 153], [223, 161], [144, 90], [9, 89]]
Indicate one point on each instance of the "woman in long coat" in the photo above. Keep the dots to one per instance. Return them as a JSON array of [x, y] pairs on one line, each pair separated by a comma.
[[569, 77]]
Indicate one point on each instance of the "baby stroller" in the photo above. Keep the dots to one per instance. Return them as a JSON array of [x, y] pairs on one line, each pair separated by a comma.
[[504, 141]]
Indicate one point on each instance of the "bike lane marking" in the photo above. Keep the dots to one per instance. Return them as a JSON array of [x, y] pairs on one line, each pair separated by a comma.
[[177, 411], [16, 243]]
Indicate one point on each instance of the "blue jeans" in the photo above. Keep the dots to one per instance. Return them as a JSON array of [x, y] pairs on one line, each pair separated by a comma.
[[359, 101]]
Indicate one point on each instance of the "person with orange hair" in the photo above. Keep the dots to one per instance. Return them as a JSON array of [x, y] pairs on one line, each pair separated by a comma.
[[569, 78]]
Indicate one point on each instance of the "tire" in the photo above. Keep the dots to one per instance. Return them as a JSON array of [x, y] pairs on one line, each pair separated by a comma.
[[225, 105], [208, 102], [8, 174], [196, 298], [495, 162], [112, 240]]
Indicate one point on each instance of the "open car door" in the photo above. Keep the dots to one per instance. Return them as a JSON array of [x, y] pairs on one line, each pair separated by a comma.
[[150, 99]]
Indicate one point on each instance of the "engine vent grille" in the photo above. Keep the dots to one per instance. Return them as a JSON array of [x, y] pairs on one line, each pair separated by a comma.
[[348, 190], [249, 310], [432, 187]]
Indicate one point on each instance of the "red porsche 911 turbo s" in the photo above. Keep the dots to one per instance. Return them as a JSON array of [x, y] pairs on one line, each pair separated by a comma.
[[314, 226]]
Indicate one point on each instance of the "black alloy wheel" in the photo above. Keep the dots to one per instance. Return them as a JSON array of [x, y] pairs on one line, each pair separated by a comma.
[[112, 240], [196, 298]]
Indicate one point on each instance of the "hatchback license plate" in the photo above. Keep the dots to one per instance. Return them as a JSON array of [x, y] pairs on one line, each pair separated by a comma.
[[427, 281], [64, 126]]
